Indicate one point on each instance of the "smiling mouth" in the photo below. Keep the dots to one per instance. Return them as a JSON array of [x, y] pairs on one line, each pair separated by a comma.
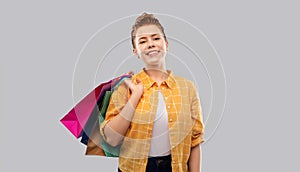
[[152, 53]]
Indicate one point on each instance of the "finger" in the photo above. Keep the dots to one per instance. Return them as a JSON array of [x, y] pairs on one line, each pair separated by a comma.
[[129, 83], [130, 72]]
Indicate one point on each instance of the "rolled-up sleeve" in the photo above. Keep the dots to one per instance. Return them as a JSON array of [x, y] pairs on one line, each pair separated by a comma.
[[196, 112], [117, 101]]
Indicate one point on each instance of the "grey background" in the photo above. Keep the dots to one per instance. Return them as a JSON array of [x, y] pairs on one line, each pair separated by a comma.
[[258, 43]]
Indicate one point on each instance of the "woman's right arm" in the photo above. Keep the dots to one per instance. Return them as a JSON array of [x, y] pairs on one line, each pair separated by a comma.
[[116, 128]]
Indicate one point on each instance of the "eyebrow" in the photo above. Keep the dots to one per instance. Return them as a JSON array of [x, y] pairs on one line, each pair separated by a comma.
[[143, 37]]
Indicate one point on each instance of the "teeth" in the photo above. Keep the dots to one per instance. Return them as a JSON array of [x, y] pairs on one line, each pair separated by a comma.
[[152, 52]]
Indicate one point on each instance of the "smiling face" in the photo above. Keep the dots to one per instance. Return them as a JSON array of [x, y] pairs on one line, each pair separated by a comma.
[[151, 46]]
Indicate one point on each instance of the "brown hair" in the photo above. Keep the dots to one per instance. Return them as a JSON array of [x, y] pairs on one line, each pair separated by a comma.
[[145, 19]]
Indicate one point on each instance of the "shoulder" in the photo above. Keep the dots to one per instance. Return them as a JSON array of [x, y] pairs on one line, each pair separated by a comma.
[[184, 82], [138, 75]]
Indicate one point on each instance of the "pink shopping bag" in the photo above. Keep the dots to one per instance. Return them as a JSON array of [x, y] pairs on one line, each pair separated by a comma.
[[76, 119]]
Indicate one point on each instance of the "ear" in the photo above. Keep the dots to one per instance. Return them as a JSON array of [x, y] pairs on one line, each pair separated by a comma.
[[135, 52], [167, 45]]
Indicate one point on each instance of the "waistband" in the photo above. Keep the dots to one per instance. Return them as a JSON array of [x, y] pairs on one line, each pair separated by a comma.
[[160, 157]]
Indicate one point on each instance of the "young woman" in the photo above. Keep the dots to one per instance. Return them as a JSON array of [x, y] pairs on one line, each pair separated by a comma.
[[155, 115]]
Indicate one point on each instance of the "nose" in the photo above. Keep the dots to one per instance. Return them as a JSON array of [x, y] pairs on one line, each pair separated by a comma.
[[150, 43]]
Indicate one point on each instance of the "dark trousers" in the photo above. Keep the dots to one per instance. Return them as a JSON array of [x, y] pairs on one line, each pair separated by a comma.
[[158, 164]]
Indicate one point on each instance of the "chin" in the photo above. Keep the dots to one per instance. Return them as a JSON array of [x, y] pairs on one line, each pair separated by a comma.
[[154, 61]]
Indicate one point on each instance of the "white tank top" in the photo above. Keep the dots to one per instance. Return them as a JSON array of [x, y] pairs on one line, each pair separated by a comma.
[[160, 142]]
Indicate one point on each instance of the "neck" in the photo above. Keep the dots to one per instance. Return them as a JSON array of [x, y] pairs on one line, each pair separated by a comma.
[[157, 75]]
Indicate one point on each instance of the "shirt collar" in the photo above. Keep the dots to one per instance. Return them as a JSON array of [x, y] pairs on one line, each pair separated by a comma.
[[148, 82]]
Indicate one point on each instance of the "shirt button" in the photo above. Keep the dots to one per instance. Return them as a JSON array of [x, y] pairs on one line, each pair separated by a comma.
[[171, 119], [169, 107]]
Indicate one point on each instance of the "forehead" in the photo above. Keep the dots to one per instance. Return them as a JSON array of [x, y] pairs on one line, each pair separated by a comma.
[[147, 30]]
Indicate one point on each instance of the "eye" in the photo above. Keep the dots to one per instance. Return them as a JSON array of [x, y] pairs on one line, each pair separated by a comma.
[[141, 42], [157, 38]]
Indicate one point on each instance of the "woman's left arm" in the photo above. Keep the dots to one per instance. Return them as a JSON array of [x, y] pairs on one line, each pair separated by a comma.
[[194, 160]]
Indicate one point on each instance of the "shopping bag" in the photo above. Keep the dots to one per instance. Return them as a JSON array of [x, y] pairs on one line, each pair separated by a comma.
[[94, 117], [83, 119], [96, 144], [76, 119]]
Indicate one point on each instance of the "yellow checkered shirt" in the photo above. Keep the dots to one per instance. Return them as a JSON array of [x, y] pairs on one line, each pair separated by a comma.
[[184, 119]]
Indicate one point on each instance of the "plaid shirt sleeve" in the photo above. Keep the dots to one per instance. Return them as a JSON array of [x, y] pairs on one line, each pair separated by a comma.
[[196, 110]]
